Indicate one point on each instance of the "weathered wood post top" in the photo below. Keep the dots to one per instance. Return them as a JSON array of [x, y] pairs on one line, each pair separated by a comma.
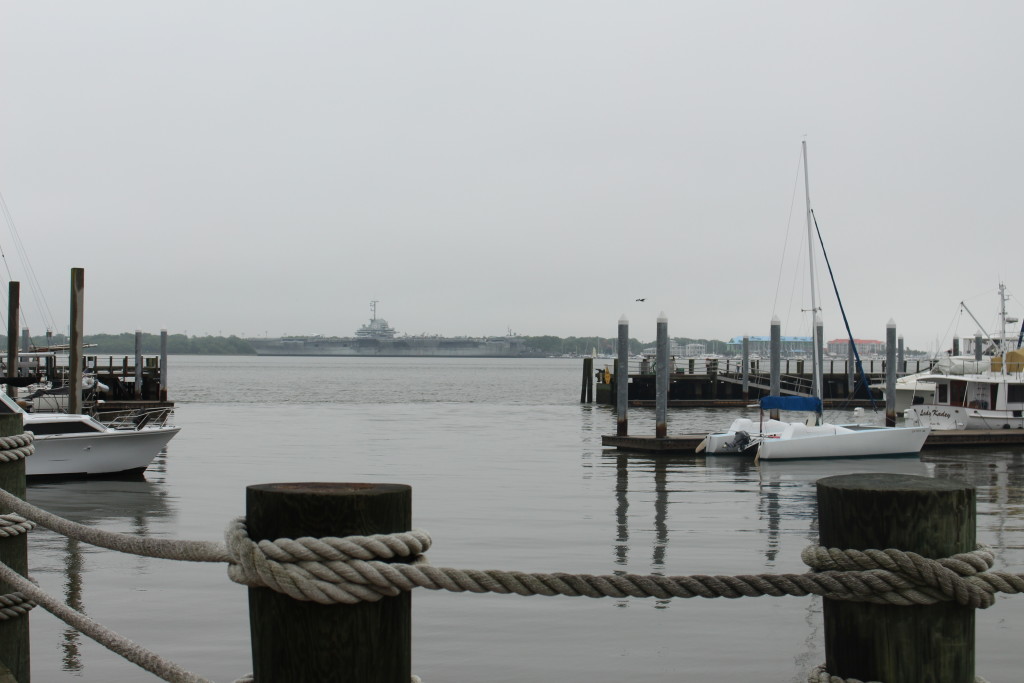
[[293, 640], [934, 518]]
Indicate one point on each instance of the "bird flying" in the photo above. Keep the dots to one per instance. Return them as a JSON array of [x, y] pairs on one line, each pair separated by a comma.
[[641, 299]]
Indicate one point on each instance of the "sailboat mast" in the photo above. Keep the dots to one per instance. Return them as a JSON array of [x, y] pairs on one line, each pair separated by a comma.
[[815, 349], [1002, 324]]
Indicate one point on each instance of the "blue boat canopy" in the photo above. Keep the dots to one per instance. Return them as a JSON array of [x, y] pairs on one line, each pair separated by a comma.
[[808, 404]]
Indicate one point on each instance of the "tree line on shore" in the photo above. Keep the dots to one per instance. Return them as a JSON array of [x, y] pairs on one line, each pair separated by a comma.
[[180, 344]]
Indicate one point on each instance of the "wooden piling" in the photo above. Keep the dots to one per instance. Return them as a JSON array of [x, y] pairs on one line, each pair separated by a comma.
[[587, 388], [775, 351], [934, 518], [75, 360], [13, 304], [292, 640], [14, 633], [661, 380], [138, 365], [890, 374], [746, 367], [163, 366], [622, 380]]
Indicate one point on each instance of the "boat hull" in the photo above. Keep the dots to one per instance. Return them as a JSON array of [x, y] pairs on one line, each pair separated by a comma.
[[94, 454], [943, 417], [855, 441]]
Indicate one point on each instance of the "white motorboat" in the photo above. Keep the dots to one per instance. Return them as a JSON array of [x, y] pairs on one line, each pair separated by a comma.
[[986, 400], [70, 445], [990, 397], [779, 440]]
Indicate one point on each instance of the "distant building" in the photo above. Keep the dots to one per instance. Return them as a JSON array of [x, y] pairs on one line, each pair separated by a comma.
[[791, 346], [868, 347]]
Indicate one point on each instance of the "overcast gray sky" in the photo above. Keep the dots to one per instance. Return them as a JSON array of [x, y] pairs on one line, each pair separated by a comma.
[[262, 168]]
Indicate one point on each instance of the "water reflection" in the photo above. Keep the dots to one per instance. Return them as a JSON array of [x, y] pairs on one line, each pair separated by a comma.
[[785, 500], [127, 506]]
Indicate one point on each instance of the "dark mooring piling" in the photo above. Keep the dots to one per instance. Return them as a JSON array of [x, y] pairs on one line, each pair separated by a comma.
[[293, 640], [934, 518]]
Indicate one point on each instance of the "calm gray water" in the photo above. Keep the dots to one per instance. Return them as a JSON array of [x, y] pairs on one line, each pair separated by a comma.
[[507, 472]]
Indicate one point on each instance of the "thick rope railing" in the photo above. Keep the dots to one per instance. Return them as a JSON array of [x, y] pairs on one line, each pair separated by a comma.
[[13, 448], [366, 568]]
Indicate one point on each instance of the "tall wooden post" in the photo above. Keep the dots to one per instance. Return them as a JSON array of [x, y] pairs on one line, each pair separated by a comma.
[[746, 367], [75, 360], [934, 518], [818, 379], [851, 370], [138, 365], [775, 353], [622, 380], [13, 304], [163, 366], [890, 374], [292, 640], [14, 633], [661, 380], [587, 388]]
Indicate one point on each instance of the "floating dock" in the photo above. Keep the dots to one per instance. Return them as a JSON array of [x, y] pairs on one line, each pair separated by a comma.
[[687, 443]]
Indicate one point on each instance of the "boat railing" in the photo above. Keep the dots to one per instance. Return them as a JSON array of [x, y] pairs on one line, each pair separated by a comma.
[[137, 418]]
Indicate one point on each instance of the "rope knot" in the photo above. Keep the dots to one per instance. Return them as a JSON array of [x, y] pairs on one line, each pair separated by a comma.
[[325, 570], [904, 578], [16, 447], [13, 524]]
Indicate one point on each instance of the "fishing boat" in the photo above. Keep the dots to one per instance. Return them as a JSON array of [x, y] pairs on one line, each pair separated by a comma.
[[75, 445], [813, 438]]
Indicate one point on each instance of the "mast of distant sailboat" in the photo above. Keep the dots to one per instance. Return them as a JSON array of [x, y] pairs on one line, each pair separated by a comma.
[[816, 380]]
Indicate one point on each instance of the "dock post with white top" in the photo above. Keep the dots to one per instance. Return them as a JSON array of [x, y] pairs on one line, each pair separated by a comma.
[[890, 374], [75, 359], [661, 381], [775, 349], [622, 380]]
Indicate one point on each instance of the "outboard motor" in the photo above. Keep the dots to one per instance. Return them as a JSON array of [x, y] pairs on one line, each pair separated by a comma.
[[741, 441]]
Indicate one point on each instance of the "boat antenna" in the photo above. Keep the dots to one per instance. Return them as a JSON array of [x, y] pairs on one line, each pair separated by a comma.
[[373, 309]]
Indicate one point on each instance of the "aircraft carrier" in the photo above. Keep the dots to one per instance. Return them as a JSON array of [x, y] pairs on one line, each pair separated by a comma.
[[378, 338]]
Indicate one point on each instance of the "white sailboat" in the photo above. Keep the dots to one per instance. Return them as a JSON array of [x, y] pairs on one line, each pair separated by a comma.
[[780, 440]]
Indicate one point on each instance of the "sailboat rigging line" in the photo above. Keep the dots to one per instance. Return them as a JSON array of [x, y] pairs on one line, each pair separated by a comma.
[[785, 242], [856, 354], [40, 301]]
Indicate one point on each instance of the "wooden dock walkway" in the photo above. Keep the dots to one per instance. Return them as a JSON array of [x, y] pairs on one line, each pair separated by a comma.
[[686, 444]]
